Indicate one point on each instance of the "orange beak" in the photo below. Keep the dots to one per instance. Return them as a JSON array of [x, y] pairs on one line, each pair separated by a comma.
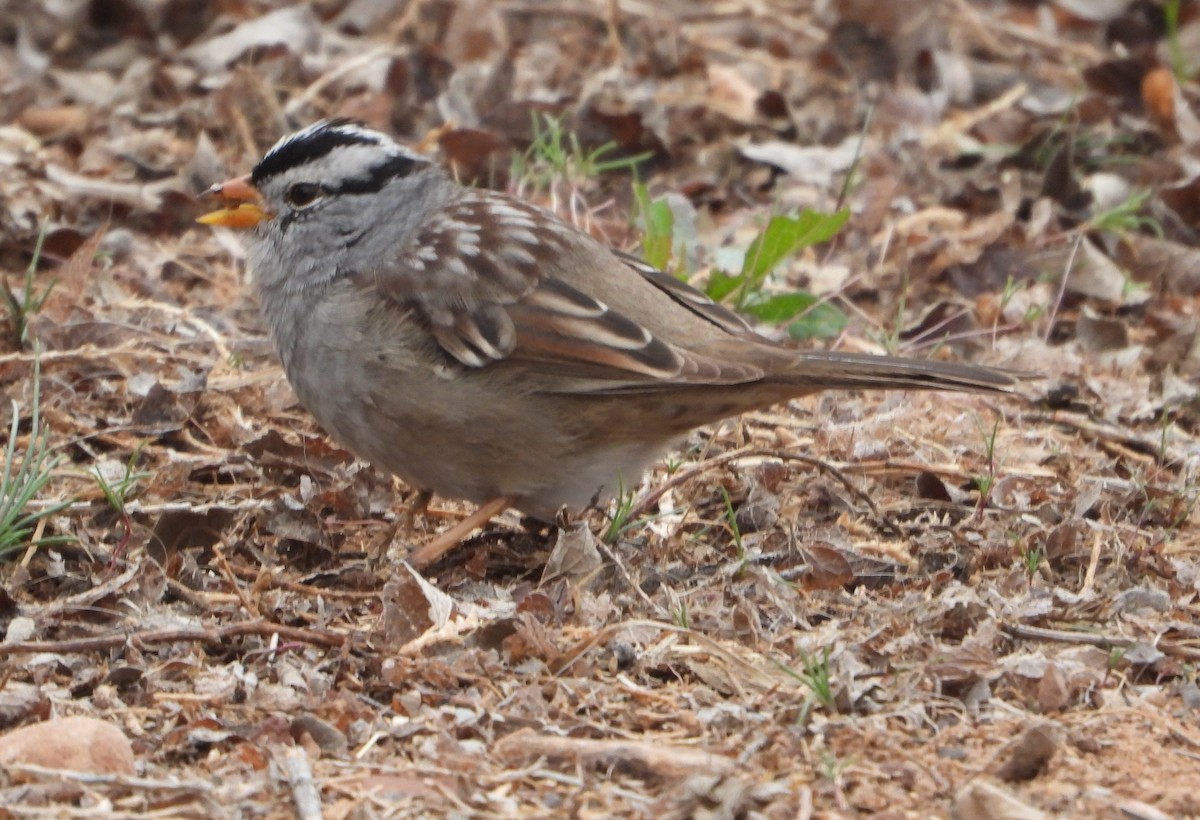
[[243, 206]]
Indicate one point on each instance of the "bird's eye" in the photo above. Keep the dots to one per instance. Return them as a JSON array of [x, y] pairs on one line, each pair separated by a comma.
[[303, 194]]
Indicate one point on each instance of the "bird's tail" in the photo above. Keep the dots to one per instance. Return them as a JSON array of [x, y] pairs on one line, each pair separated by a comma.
[[821, 370]]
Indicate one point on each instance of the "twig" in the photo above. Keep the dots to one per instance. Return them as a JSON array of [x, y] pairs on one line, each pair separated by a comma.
[[654, 495], [85, 599], [1103, 433], [1089, 577], [1062, 288], [300, 780], [91, 778], [1037, 633], [987, 30], [616, 561], [232, 579], [314, 89], [699, 641], [647, 757], [198, 635]]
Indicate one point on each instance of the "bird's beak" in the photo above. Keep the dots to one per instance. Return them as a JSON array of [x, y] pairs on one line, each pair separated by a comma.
[[243, 206]]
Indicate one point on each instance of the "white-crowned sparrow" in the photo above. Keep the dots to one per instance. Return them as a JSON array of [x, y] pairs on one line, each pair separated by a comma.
[[481, 348]]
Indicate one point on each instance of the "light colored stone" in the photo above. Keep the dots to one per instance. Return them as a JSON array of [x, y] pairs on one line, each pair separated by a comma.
[[81, 744]]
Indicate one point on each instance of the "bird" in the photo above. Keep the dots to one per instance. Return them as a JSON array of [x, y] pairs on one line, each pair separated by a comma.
[[481, 348]]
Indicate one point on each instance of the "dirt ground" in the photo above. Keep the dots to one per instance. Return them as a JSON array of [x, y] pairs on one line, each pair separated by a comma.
[[894, 605]]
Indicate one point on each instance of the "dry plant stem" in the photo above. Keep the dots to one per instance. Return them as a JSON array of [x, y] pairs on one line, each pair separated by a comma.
[[300, 779], [232, 579], [90, 778], [313, 91], [413, 510], [986, 31], [648, 757], [1089, 577], [454, 536], [613, 24], [1062, 288], [698, 640], [1037, 633], [654, 495], [1105, 434], [616, 561], [150, 637]]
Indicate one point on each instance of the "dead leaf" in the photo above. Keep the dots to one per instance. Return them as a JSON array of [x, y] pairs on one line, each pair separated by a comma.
[[979, 800], [1028, 755], [575, 555]]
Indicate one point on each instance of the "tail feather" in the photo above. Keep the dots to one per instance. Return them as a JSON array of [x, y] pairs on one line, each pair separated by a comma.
[[849, 371]]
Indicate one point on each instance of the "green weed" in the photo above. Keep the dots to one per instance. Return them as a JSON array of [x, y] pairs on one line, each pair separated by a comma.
[[19, 486], [22, 309]]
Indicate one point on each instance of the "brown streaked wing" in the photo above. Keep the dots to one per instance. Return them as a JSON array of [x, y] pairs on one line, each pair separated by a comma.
[[473, 272], [592, 348], [461, 277], [555, 322], [687, 296]]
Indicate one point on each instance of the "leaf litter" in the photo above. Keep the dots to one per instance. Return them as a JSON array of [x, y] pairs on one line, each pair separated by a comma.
[[904, 605]]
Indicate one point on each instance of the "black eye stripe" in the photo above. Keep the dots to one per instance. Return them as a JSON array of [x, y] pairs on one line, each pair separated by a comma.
[[397, 165]]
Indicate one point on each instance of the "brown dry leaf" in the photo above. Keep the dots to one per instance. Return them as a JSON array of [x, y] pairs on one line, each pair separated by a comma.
[[1028, 756], [1053, 694], [575, 555], [1093, 273], [411, 607], [813, 165], [980, 800], [1169, 266], [1097, 334], [119, 113], [293, 28], [973, 660], [1184, 199], [1094, 11], [430, 787], [828, 568], [730, 93]]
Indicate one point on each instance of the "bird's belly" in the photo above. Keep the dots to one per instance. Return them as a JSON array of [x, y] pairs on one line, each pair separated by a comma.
[[474, 434], [458, 441]]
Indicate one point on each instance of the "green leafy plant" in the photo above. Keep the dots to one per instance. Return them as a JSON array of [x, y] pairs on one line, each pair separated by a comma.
[[623, 506], [815, 676], [117, 493], [1012, 287], [805, 314], [680, 615], [1127, 216], [31, 300], [734, 529], [658, 227], [985, 482], [1031, 559], [19, 486], [1179, 63]]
